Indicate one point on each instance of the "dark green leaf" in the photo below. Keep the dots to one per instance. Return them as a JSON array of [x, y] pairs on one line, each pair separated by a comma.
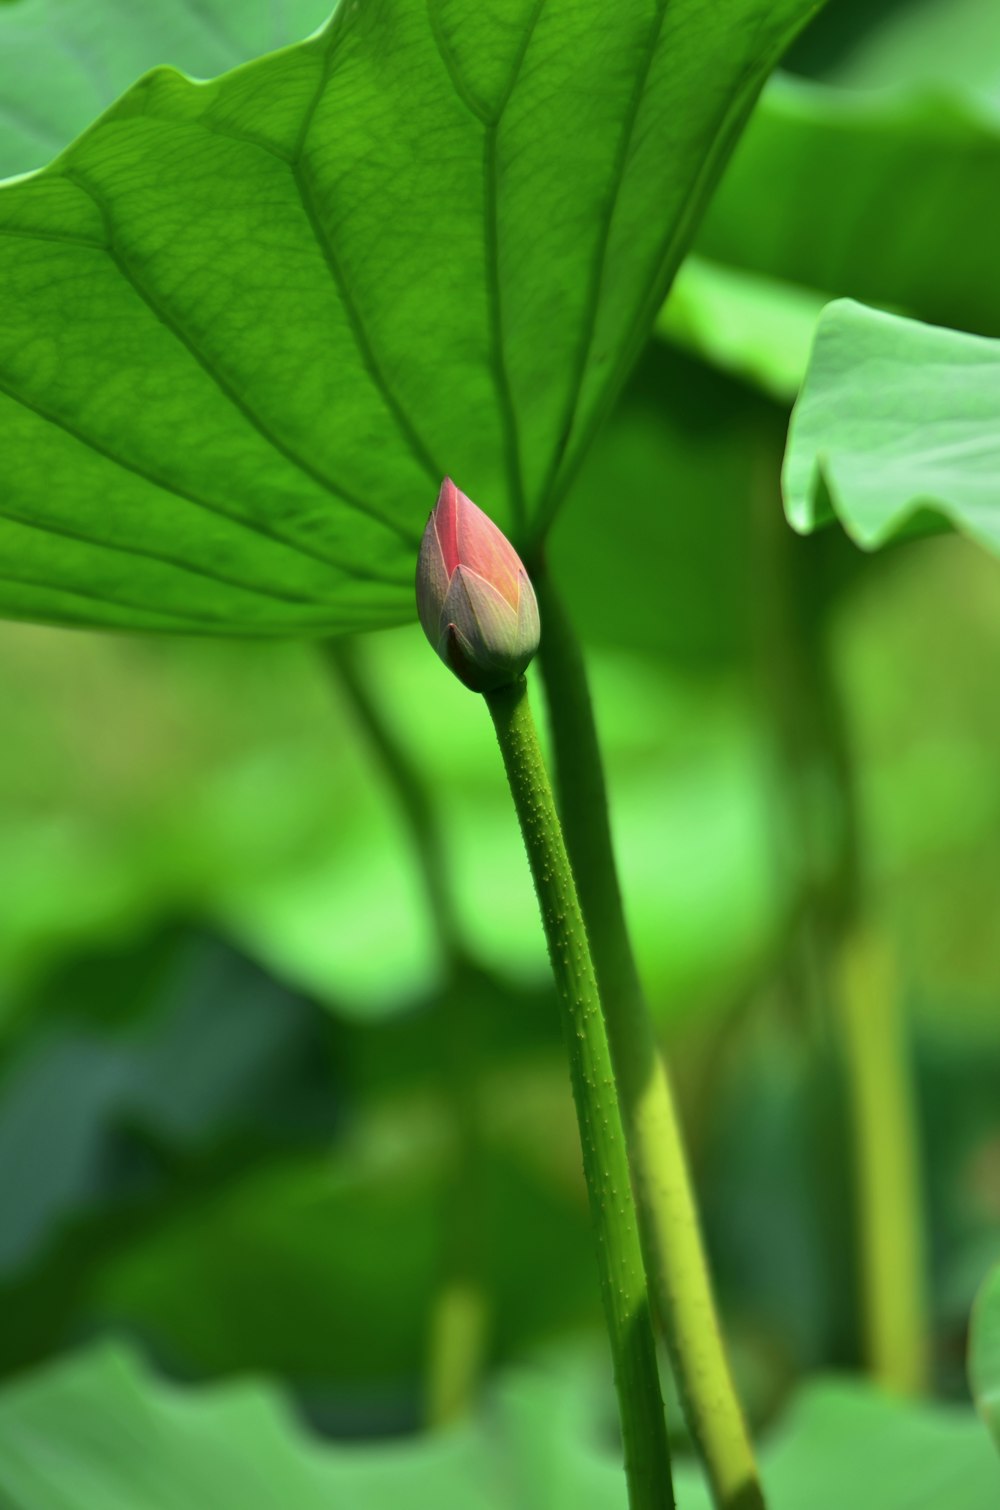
[[888, 197], [248, 324], [215, 1025], [884, 197], [874, 44], [895, 431]]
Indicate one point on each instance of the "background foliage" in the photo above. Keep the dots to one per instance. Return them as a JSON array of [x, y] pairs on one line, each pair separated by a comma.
[[227, 1137]]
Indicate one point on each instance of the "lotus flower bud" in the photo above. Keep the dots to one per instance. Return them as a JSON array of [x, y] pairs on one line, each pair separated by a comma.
[[474, 598]]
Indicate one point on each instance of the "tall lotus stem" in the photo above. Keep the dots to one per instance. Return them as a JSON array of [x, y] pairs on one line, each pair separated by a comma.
[[478, 609]]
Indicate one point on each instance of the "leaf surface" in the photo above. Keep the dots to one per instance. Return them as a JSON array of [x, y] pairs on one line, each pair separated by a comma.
[[250, 323], [888, 197], [896, 430], [758, 329], [115, 1437], [885, 196]]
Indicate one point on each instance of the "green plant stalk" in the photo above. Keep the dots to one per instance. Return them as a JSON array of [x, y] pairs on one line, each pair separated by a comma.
[[459, 1323], [675, 1255], [605, 1159], [458, 1333], [886, 1163], [410, 791], [459, 1327]]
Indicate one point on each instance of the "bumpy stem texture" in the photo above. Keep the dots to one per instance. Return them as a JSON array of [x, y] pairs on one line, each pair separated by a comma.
[[605, 1161], [675, 1255]]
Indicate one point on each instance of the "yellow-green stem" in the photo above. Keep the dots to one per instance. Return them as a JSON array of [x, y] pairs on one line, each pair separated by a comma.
[[605, 1160], [887, 1172], [675, 1255]]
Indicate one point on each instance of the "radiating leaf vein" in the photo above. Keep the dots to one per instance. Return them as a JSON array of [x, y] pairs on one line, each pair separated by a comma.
[[257, 527], [174, 325]]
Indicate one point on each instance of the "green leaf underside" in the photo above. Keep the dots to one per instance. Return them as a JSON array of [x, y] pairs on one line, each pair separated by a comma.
[[249, 324], [759, 329], [896, 430], [984, 1353], [101, 1432], [889, 197]]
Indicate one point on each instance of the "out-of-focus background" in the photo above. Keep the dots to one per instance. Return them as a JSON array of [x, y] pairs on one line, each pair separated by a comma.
[[233, 1128]]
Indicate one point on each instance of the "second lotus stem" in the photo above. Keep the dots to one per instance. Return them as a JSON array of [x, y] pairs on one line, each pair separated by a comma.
[[675, 1255], [605, 1159]]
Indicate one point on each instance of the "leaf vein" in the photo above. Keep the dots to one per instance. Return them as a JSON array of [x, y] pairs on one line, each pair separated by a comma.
[[595, 287], [225, 387], [165, 485], [190, 625], [498, 359], [46, 527], [491, 238], [522, 52], [362, 341], [461, 88], [58, 236]]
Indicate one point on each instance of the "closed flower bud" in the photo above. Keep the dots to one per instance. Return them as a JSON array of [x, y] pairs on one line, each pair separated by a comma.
[[474, 598]]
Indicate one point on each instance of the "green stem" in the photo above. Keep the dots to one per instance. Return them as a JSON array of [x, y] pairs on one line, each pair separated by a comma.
[[887, 1176], [458, 1334], [410, 792], [458, 1330], [675, 1254], [605, 1161], [459, 1322]]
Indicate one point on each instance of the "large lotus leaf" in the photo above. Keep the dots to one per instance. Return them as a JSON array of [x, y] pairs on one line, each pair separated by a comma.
[[62, 63], [895, 430], [248, 324], [101, 1432], [874, 44], [884, 196], [843, 1443], [878, 188], [127, 1440]]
